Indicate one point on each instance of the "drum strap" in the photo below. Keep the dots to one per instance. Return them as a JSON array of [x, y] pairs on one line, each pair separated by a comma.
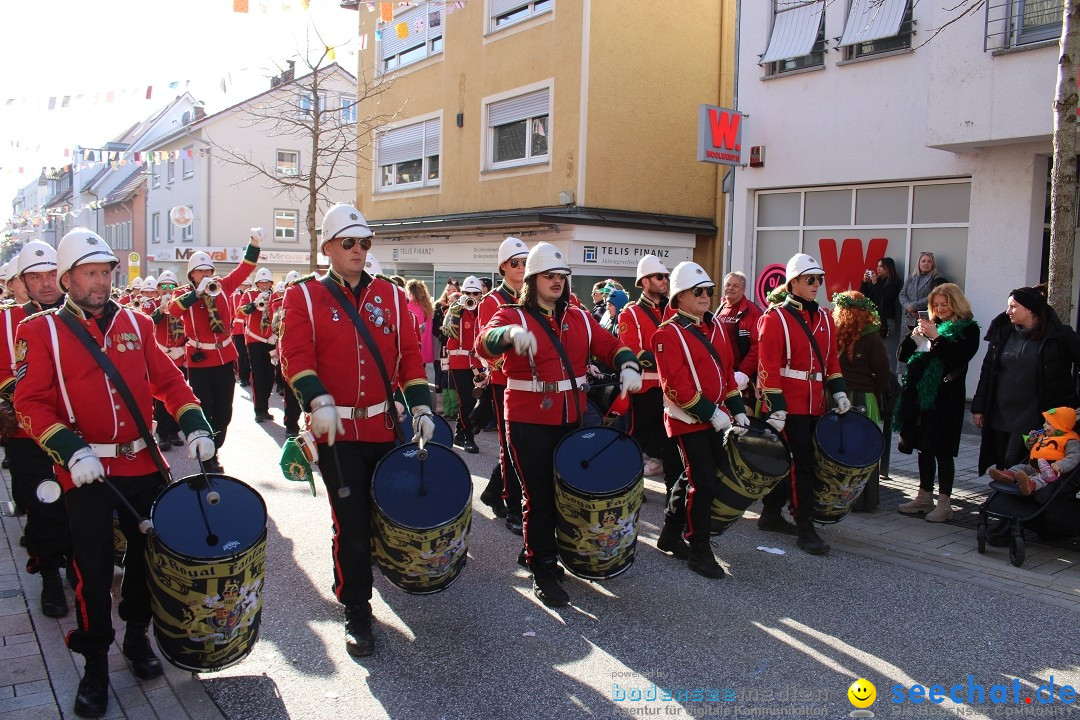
[[689, 325], [542, 322], [809, 335], [121, 387], [365, 334]]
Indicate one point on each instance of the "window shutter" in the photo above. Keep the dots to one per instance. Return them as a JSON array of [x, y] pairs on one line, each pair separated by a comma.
[[432, 136], [401, 144], [873, 20], [391, 44], [795, 29], [501, 7], [521, 107]]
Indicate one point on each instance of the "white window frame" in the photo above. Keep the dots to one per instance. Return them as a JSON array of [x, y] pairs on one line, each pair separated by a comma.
[[395, 53], [348, 109], [304, 102], [513, 12], [814, 59], [187, 234], [170, 171], [430, 134], [187, 164], [170, 230], [494, 103], [282, 214], [155, 227], [155, 175], [280, 170]]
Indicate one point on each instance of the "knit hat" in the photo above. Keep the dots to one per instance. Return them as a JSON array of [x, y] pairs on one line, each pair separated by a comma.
[[1061, 418], [1030, 298], [618, 298]]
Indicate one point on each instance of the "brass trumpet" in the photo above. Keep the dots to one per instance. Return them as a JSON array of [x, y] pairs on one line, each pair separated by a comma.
[[469, 302], [213, 288]]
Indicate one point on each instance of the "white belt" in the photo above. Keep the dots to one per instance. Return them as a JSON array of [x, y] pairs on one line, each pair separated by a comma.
[[459, 352], [544, 386], [359, 413], [800, 374], [256, 337], [210, 346], [650, 376], [111, 450]]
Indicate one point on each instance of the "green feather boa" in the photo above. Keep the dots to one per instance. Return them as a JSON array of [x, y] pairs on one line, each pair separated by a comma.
[[926, 371]]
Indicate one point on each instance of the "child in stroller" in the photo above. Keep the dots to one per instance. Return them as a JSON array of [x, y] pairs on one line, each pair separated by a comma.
[[1055, 450]]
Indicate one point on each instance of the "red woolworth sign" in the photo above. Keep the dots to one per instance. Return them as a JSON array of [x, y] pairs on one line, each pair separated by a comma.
[[719, 135], [844, 270]]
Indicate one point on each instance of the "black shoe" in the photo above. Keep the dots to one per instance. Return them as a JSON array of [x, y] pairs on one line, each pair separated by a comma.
[[671, 541], [93, 696], [359, 641], [291, 432], [775, 522], [556, 569], [164, 444], [495, 502], [547, 590], [175, 440], [245, 384], [490, 427], [701, 560], [459, 437], [53, 601], [263, 417], [137, 649], [514, 524], [213, 465], [6, 464], [470, 447], [809, 541]]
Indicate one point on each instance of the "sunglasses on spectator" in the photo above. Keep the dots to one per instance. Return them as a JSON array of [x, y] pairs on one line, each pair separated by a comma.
[[659, 276], [554, 276], [813, 280], [710, 291], [348, 243], [516, 263]]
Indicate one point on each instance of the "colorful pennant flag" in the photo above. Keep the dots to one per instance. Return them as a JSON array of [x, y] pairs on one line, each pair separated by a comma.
[[402, 30], [240, 6], [386, 12]]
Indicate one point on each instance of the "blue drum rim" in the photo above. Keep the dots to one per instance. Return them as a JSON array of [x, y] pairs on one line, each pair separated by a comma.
[[211, 476], [376, 506], [873, 424], [561, 478]]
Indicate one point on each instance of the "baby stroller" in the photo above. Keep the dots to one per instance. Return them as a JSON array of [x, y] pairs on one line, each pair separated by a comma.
[[1008, 504]]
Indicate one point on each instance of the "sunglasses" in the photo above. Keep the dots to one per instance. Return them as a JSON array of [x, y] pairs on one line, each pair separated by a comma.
[[553, 276], [659, 277], [698, 291], [348, 243], [166, 288], [473, 293], [813, 280], [517, 263]]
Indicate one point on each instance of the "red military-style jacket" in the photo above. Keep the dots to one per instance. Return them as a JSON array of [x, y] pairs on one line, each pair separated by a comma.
[[489, 305], [694, 383], [790, 376], [579, 334], [169, 334], [257, 325], [638, 323], [322, 352], [741, 325], [217, 349], [10, 353], [238, 321], [65, 401], [462, 328]]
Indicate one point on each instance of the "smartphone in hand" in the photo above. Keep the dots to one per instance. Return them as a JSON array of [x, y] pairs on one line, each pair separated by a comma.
[[924, 315]]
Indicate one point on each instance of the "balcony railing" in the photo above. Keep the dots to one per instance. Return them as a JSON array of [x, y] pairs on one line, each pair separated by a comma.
[[1012, 23]]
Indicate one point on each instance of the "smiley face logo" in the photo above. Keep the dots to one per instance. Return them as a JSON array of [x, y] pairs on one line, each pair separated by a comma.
[[862, 693]]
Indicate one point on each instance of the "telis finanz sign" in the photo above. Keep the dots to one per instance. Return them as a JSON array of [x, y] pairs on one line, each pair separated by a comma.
[[719, 135]]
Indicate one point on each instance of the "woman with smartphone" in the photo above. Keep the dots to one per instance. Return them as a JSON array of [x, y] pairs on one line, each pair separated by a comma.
[[930, 412], [916, 290], [882, 286]]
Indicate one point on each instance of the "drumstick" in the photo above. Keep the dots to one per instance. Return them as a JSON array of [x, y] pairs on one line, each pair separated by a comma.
[[421, 455], [145, 524], [585, 463], [211, 537], [343, 490], [213, 497]]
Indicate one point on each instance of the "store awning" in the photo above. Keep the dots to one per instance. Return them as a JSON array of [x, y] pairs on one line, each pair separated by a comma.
[[872, 20], [795, 30]]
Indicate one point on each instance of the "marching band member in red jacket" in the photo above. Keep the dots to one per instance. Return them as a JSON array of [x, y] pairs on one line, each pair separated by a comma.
[[740, 316], [336, 376], [543, 402], [169, 334], [794, 375], [461, 328], [277, 310], [48, 538], [701, 397], [638, 322], [69, 406], [243, 368], [255, 308], [503, 493], [211, 354]]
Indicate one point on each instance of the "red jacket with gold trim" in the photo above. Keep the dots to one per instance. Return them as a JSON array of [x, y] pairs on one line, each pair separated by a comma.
[[638, 323], [461, 327], [790, 375], [489, 305]]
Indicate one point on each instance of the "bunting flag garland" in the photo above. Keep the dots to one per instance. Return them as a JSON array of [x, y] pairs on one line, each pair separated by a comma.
[[386, 12], [402, 29]]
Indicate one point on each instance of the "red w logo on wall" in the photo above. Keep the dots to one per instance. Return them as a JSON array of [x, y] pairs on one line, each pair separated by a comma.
[[845, 271]]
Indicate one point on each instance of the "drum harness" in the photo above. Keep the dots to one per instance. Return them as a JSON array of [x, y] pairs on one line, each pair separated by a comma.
[[786, 371], [562, 353], [671, 407]]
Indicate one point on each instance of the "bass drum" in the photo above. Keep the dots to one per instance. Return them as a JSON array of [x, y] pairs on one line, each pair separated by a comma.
[[847, 449], [422, 513], [598, 492], [759, 460], [206, 564], [444, 434]]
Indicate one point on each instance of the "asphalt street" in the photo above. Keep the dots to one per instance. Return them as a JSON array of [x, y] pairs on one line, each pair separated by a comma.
[[783, 634]]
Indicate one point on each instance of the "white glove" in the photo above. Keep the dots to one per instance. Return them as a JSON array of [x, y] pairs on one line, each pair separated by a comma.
[[175, 353], [264, 296], [202, 286], [258, 235], [777, 420], [630, 380], [85, 467], [274, 352], [423, 425], [842, 402], [741, 425], [200, 445], [720, 420], [742, 379], [524, 341], [325, 419], [593, 371]]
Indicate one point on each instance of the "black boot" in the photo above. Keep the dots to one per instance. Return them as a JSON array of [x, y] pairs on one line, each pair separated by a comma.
[[810, 541], [359, 641], [93, 696], [53, 601], [702, 561], [469, 445], [556, 569], [546, 586], [671, 540], [773, 521], [514, 523], [137, 649]]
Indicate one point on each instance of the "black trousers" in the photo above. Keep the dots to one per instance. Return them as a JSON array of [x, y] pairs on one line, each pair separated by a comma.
[[647, 427], [799, 431], [463, 383], [48, 537], [292, 410], [166, 423], [244, 368], [510, 486], [214, 387], [90, 513], [703, 453], [262, 375], [532, 447], [351, 516], [946, 472]]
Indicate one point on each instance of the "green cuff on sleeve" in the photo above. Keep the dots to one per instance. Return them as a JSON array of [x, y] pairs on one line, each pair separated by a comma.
[[251, 255], [702, 410], [7, 390], [623, 356], [191, 419], [496, 341], [647, 360], [836, 384], [60, 443], [307, 387], [418, 394], [735, 404], [775, 401], [187, 299]]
